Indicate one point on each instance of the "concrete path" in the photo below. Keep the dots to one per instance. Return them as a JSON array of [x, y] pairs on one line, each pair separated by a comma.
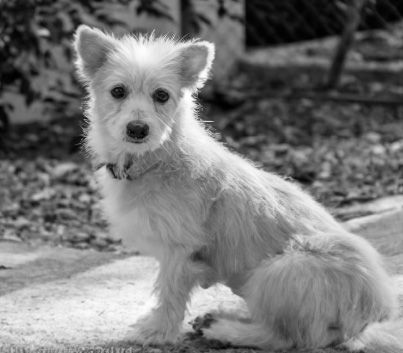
[[59, 298]]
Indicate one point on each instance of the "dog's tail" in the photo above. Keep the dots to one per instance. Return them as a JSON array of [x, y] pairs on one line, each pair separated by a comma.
[[380, 337]]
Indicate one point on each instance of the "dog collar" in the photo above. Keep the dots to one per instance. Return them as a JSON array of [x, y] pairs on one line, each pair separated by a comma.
[[129, 173]]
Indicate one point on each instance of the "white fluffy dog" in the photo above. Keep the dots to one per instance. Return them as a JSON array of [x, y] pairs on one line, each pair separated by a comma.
[[208, 215]]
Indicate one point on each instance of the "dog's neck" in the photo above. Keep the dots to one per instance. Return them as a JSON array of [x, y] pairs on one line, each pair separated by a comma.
[[138, 166], [131, 166]]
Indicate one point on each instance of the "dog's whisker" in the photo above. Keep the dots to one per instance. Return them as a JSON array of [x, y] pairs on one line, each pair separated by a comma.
[[162, 121]]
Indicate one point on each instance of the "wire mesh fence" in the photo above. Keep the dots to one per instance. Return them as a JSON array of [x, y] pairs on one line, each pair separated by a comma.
[[279, 22], [320, 37], [318, 43]]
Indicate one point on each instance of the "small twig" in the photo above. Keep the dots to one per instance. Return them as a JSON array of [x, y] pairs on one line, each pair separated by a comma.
[[345, 43], [187, 18], [2, 267]]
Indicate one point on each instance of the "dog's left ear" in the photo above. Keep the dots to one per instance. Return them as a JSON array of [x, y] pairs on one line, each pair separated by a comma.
[[196, 61]]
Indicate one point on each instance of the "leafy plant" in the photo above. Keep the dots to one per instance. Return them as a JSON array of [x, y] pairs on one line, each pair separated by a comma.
[[35, 33], [35, 46], [19, 48]]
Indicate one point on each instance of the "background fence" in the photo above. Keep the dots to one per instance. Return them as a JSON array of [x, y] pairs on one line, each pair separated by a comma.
[[279, 22]]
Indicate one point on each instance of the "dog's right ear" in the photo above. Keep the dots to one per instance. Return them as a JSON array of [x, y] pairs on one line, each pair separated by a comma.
[[92, 47]]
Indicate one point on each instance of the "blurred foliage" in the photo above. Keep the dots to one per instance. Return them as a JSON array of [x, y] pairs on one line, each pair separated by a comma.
[[193, 20], [36, 52], [35, 34], [36, 40]]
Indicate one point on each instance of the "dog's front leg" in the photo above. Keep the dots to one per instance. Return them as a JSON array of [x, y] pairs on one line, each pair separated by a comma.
[[176, 278]]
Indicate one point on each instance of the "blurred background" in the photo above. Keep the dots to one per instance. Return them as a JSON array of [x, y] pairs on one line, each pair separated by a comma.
[[309, 89]]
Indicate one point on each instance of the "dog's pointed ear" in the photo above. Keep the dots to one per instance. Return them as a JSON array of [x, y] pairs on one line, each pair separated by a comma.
[[92, 47], [196, 61]]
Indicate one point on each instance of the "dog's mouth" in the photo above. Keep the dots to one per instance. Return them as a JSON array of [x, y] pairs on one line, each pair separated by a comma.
[[136, 140]]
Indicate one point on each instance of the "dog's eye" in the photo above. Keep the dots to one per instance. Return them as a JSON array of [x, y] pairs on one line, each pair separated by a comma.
[[160, 95], [118, 92]]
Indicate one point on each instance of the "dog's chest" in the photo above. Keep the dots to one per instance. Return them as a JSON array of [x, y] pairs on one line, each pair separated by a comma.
[[150, 215]]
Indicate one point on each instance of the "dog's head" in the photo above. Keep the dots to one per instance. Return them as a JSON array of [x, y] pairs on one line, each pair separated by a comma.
[[136, 84]]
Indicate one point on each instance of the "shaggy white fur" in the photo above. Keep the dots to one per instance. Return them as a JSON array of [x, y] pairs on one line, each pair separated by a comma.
[[209, 215]]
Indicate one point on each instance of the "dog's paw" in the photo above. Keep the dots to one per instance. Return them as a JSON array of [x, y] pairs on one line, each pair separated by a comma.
[[204, 331], [215, 330], [154, 336], [221, 327], [151, 331], [201, 322]]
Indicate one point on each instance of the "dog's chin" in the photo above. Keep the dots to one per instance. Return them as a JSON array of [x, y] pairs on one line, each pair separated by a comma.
[[139, 147]]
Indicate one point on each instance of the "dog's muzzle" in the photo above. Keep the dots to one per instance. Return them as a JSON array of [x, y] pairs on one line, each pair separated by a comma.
[[137, 131]]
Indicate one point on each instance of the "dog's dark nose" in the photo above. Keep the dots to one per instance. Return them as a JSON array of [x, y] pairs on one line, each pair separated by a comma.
[[137, 130]]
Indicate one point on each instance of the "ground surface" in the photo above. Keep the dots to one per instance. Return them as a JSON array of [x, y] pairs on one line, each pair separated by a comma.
[[86, 299]]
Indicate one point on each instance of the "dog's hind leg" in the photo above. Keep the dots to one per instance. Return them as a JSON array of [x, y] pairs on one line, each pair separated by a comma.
[[321, 292], [242, 333]]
